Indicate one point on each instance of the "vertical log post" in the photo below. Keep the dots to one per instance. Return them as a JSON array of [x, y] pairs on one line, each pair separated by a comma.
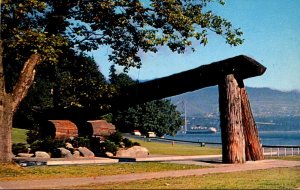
[[233, 142], [253, 146]]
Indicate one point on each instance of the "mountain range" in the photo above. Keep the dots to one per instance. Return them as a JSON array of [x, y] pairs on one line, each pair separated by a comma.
[[265, 102]]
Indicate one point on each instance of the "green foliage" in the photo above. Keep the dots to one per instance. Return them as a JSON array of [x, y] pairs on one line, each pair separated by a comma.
[[19, 148], [107, 117], [23, 31], [75, 82], [95, 144], [112, 74], [81, 142], [158, 116], [120, 80], [79, 82], [47, 145], [116, 138], [33, 134], [109, 146], [127, 142]]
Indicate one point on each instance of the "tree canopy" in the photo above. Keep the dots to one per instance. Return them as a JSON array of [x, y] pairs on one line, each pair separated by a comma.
[[127, 27], [159, 116]]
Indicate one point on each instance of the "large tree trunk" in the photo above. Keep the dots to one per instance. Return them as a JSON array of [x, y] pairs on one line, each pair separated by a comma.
[[6, 116], [253, 147], [9, 102], [233, 143]]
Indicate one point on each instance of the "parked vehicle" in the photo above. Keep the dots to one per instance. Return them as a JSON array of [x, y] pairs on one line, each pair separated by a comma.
[[151, 135], [136, 133]]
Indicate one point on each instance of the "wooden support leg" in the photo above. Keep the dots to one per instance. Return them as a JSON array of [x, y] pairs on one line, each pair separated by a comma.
[[233, 142], [253, 147]]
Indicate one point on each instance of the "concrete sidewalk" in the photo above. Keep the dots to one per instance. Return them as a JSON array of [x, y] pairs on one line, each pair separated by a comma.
[[63, 161], [222, 168], [102, 160]]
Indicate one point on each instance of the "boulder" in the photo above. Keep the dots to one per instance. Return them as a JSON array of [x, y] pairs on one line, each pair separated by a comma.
[[109, 154], [76, 154], [133, 152], [25, 155], [69, 146], [86, 152], [65, 153], [41, 154]]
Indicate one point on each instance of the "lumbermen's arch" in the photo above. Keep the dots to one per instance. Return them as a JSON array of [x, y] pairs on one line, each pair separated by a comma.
[[240, 141]]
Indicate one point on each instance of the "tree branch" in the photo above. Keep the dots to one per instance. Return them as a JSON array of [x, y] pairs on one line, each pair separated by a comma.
[[25, 80]]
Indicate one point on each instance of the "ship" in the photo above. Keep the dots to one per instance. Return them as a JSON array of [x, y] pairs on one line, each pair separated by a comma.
[[195, 129], [201, 129]]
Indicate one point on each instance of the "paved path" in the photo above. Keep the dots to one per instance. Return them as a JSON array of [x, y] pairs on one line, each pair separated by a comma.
[[222, 168]]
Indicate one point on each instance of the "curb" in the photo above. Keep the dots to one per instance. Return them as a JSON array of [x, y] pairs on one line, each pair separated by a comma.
[[56, 162]]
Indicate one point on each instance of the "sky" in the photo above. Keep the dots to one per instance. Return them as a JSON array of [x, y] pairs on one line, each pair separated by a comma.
[[272, 37]]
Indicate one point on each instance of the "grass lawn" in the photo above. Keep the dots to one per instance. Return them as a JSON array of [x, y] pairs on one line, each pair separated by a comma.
[[15, 172], [19, 135], [292, 158], [177, 149], [280, 178]]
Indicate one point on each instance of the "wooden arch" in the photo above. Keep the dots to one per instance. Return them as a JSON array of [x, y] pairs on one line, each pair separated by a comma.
[[240, 141]]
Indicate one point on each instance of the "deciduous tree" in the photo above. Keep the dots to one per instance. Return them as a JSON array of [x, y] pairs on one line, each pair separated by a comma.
[[159, 116]]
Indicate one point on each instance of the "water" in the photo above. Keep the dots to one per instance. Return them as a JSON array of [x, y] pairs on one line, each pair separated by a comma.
[[272, 131], [267, 137], [280, 137]]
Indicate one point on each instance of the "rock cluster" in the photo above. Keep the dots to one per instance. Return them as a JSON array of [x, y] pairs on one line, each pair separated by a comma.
[[63, 152], [70, 152]]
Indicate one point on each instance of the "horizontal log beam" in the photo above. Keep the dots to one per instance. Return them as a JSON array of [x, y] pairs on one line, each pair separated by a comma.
[[204, 76]]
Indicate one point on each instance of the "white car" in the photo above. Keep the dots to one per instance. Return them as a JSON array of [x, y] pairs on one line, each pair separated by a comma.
[[151, 135]]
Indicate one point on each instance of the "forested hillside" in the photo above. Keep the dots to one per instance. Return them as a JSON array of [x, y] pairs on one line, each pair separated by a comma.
[[265, 102]]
